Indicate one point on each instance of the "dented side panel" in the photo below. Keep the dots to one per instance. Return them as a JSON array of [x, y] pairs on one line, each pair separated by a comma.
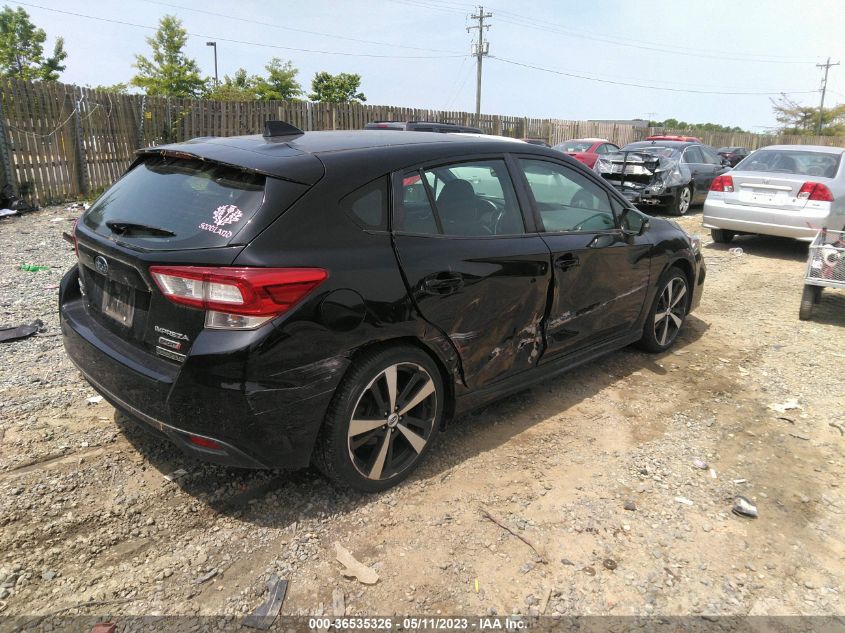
[[492, 311]]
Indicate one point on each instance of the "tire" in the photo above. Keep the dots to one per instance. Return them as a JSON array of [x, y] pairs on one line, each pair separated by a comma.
[[722, 236], [667, 313], [382, 447], [809, 298], [682, 202]]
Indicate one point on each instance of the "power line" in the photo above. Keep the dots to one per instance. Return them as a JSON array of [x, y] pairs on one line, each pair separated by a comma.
[[637, 85], [234, 41], [517, 19], [296, 30]]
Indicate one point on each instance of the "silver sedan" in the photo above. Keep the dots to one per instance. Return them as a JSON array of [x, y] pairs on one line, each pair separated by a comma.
[[786, 190]]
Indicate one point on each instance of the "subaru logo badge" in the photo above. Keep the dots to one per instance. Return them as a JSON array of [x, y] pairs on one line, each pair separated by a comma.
[[101, 265]]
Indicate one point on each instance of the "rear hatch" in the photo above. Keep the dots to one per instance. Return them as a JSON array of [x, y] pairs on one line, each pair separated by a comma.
[[176, 211]]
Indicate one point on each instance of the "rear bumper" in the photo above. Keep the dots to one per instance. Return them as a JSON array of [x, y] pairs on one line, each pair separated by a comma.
[[802, 225], [640, 198], [257, 422]]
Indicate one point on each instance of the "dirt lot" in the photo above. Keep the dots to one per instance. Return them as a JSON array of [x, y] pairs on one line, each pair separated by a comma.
[[86, 513]]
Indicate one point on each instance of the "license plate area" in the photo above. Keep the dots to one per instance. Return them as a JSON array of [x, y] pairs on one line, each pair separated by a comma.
[[119, 302]]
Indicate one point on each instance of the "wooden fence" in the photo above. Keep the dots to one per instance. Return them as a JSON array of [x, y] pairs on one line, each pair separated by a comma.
[[61, 142]]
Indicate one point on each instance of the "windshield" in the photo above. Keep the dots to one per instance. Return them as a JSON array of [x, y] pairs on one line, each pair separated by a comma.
[[575, 146], [800, 163], [170, 203]]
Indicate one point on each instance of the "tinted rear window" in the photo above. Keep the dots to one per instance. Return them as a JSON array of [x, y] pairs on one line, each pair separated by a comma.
[[800, 163], [201, 204], [574, 146]]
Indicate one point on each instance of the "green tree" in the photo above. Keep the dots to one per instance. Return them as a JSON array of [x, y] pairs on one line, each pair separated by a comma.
[[281, 81], [341, 88], [794, 118], [170, 72], [239, 87], [120, 88], [22, 48]]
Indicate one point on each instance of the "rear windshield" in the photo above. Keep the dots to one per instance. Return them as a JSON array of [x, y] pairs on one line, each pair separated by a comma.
[[663, 152], [574, 146], [168, 203], [800, 163]]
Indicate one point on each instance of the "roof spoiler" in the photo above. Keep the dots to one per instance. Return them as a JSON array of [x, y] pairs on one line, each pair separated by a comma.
[[273, 129]]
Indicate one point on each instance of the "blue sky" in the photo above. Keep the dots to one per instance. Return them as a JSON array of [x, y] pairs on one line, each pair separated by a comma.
[[737, 46]]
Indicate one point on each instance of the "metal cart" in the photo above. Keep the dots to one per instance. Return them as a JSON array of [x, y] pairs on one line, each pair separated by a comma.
[[825, 269]]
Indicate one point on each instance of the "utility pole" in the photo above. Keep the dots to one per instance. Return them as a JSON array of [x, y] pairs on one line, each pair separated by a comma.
[[214, 44], [481, 49], [826, 67]]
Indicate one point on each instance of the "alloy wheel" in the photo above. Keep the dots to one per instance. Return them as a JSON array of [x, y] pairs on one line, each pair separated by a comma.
[[671, 309], [684, 201], [392, 421]]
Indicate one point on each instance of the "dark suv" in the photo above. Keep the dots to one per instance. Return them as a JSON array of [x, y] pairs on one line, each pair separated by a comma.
[[336, 296]]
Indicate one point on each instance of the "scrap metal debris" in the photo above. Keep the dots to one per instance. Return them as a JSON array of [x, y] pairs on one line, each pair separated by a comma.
[[487, 515], [13, 204], [353, 568], [15, 333], [205, 577], [783, 407], [743, 507], [267, 612], [176, 474]]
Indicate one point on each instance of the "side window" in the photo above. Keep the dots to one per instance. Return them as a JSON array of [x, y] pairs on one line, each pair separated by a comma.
[[693, 155], [611, 148], [470, 199], [476, 199], [415, 215], [368, 205], [602, 149], [567, 200], [710, 157]]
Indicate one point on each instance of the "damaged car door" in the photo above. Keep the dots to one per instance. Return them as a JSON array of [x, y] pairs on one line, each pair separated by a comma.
[[471, 267], [600, 273]]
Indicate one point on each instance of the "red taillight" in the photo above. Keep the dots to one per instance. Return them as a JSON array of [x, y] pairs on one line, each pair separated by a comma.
[[205, 442], [722, 183], [815, 191], [252, 292]]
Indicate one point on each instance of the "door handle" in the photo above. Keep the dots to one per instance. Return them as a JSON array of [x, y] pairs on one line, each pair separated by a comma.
[[443, 283], [565, 262]]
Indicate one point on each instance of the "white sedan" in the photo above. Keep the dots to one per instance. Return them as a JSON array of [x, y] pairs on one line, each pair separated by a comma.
[[786, 190]]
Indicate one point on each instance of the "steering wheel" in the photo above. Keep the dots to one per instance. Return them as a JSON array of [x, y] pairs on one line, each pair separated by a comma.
[[496, 214], [815, 170]]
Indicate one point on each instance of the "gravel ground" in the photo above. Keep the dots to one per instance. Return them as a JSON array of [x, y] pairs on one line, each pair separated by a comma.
[[600, 470]]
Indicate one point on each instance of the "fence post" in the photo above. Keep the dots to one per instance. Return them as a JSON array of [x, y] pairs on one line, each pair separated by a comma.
[[7, 173], [79, 144]]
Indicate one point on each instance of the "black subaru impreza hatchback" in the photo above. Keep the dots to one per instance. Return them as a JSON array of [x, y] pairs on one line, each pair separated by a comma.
[[334, 297]]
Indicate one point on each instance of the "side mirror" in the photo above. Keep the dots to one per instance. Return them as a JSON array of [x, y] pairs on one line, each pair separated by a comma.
[[633, 223]]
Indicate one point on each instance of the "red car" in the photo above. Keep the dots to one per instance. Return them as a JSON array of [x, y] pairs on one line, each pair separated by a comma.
[[586, 150]]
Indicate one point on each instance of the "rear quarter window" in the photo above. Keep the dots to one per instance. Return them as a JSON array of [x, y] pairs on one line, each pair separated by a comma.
[[367, 205], [189, 203]]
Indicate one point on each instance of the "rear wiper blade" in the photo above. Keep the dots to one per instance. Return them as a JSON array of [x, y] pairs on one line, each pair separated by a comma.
[[122, 227]]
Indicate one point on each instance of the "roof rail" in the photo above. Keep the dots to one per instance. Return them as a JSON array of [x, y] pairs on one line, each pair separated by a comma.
[[273, 129]]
